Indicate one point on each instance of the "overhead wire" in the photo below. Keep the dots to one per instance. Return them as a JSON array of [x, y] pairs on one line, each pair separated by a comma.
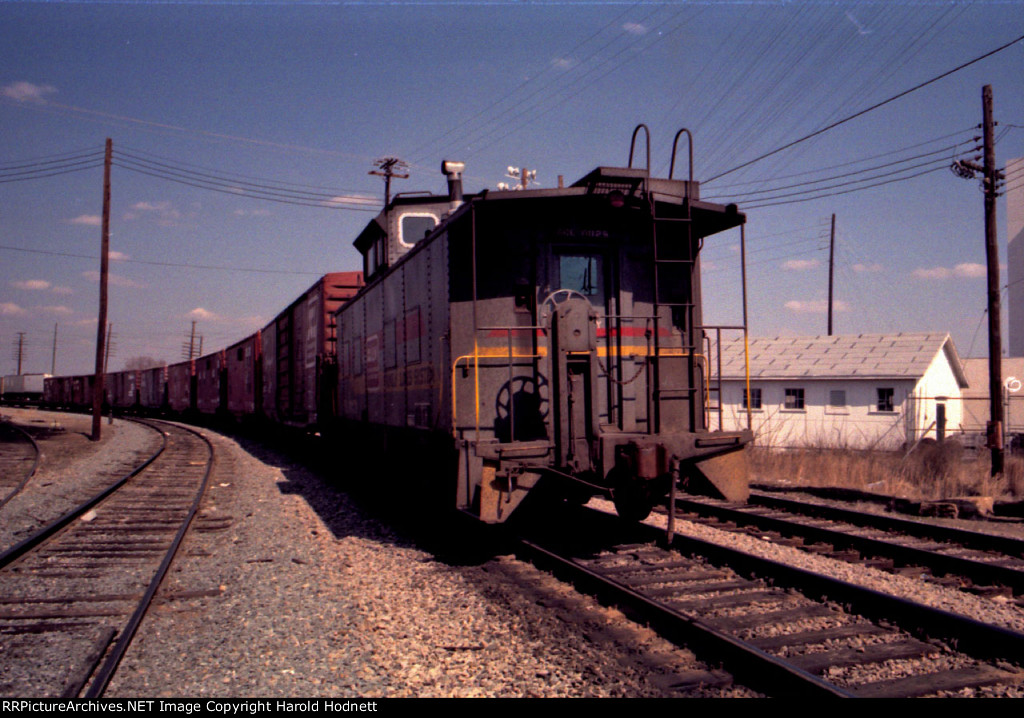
[[182, 265], [867, 110]]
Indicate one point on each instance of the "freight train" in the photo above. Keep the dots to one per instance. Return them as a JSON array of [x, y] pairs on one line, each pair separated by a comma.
[[495, 343]]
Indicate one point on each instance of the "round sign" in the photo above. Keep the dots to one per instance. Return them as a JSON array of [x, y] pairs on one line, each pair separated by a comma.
[[1013, 384]]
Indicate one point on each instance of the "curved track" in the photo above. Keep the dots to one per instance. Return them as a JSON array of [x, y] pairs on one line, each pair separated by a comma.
[[74, 594], [19, 459], [781, 630]]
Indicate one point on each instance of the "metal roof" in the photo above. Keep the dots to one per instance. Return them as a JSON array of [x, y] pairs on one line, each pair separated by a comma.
[[861, 356]]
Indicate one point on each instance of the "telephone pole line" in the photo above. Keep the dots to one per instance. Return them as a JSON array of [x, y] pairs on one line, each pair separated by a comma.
[[386, 168], [991, 176], [20, 350], [831, 270], [101, 326]]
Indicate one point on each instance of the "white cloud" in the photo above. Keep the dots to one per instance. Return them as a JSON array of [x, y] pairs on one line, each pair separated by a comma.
[[971, 270], [115, 279], [815, 306], [165, 213], [354, 199], [635, 28], [31, 284], [204, 314], [876, 267], [8, 309], [932, 273], [89, 220], [800, 265], [26, 91], [61, 310], [118, 256], [965, 270], [562, 63]]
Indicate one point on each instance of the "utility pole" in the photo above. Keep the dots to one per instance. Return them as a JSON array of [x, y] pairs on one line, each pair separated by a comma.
[[386, 168], [831, 269], [106, 356], [53, 357], [20, 350], [990, 177], [101, 326]]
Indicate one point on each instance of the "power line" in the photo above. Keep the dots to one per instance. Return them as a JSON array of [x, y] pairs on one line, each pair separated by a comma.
[[868, 109], [846, 174], [251, 270]]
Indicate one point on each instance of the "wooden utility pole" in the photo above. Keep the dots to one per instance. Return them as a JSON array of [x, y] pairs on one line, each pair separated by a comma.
[[21, 349], [991, 175], [995, 335], [831, 270], [386, 167], [53, 357], [101, 326]]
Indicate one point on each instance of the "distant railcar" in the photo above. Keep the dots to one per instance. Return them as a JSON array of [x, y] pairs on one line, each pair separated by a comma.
[[243, 372], [211, 387], [181, 386], [153, 388], [299, 351]]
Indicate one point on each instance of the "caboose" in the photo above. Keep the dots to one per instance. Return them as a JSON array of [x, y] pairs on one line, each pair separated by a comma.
[[511, 339]]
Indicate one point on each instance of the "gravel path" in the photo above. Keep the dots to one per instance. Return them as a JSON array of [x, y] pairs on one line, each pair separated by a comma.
[[306, 594]]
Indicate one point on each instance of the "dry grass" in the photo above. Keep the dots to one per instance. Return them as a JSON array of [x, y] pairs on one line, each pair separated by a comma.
[[930, 472]]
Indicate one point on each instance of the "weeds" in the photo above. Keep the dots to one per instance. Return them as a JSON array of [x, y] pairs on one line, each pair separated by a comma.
[[932, 471]]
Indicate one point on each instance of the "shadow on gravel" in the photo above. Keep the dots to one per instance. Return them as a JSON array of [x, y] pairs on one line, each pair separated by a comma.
[[362, 502]]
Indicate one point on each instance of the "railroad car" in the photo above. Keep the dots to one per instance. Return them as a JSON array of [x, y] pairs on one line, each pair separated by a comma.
[[181, 386], [242, 374], [121, 388], [23, 388], [299, 353], [211, 389], [516, 338], [153, 388]]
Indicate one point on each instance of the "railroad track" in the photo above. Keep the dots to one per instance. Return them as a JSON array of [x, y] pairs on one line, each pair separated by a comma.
[[780, 630], [19, 459], [73, 595], [969, 560]]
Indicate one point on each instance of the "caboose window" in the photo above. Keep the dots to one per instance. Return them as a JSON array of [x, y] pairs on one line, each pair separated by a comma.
[[414, 227], [583, 273]]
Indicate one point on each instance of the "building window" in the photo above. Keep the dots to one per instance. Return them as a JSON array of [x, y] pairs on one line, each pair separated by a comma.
[[794, 399], [755, 399], [836, 402], [885, 399]]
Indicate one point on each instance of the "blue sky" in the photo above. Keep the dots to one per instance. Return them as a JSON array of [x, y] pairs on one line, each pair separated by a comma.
[[305, 96]]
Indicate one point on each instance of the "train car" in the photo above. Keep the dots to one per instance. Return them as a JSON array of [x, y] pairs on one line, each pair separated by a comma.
[[81, 391], [211, 387], [122, 389], [153, 388], [509, 339], [18, 388], [243, 368], [299, 348], [181, 386]]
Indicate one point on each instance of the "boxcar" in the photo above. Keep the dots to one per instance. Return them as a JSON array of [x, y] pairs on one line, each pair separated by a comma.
[[181, 389], [243, 367]]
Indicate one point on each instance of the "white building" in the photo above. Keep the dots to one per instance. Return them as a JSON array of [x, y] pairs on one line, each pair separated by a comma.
[[871, 391], [976, 398], [1015, 254]]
